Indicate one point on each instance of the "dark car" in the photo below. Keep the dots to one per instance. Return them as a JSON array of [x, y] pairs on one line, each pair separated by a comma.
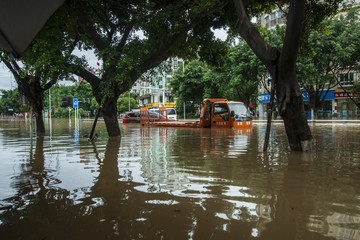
[[153, 116], [132, 117]]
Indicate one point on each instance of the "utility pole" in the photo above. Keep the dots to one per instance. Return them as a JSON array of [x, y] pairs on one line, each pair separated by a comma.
[[49, 103], [129, 100]]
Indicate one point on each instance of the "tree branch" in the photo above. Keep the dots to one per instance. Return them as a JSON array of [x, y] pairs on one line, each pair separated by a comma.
[[129, 27], [251, 35], [164, 51], [11, 68], [90, 29], [125, 36], [86, 75], [293, 33], [48, 85]]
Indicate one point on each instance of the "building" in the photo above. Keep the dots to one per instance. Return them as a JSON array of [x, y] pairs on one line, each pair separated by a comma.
[[153, 88], [337, 101]]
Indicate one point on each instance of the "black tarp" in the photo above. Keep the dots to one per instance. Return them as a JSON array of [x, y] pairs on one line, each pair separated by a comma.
[[21, 21]]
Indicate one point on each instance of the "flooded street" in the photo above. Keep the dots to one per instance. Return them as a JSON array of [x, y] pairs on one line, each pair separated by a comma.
[[176, 183]]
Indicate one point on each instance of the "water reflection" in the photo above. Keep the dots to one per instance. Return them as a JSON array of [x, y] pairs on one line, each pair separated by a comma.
[[173, 183]]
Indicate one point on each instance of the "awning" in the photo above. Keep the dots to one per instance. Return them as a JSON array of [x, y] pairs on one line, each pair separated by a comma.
[[22, 20]]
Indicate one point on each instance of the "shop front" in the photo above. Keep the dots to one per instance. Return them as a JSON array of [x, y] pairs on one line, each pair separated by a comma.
[[345, 106], [326, 111]]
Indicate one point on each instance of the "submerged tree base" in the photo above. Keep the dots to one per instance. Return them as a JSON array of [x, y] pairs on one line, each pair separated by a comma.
[[308, 145]]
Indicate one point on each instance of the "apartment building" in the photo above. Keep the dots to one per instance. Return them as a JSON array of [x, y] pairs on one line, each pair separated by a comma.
[[155, 91], [337, 101]]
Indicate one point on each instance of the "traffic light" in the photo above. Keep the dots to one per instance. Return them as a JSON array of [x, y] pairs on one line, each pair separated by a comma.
[[67, 102]]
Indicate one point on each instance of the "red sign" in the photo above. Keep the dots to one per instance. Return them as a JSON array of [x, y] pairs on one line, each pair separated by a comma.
[[343, 95]]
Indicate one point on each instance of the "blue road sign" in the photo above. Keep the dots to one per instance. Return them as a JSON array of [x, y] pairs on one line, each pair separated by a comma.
[[75, 102]]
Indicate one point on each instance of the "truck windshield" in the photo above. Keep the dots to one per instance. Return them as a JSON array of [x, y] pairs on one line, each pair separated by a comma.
[[170, 111], [239, 109]]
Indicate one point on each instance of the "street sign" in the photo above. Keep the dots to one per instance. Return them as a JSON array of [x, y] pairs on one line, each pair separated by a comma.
[[75, 102]]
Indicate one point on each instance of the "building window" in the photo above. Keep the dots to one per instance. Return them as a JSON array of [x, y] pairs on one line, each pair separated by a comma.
[[347, 79], [267, 20], [281, 17], [273, 19]]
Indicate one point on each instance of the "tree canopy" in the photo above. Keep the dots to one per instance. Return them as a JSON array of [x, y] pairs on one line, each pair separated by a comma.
[[10, 102], [131, 37], [237, 80], [334, 52]]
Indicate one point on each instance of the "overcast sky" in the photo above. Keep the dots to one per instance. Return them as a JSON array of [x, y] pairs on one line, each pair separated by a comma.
[[7, 80]]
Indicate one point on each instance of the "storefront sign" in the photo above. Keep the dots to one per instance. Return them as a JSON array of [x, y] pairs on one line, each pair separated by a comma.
[[329, 95], [343, 95], [156, 105], [265, 98]]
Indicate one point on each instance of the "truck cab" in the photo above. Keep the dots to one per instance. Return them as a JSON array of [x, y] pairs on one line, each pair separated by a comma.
[[221, 113]]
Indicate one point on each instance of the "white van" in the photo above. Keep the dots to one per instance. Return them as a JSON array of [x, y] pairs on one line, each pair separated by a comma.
[[171, 113]]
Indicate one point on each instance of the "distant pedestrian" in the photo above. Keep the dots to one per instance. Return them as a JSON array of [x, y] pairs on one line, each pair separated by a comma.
[[275, 113]]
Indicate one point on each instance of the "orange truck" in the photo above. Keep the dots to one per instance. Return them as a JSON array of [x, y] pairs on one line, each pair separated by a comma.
[[214, 113]]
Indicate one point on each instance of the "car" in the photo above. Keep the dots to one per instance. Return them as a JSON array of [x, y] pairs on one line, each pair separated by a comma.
[[131, 117], [171, 113], [153, 116], [134, 117]]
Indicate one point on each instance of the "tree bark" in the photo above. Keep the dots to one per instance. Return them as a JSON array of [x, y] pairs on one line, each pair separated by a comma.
[[291, 106], [37, 107], [281, 66], [34, 93], [109, 111], [293, 114]]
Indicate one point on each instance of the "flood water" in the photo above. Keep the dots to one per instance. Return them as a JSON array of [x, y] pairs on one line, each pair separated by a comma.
[[176, 183]]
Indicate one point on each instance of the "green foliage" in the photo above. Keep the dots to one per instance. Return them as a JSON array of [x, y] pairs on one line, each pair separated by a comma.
[[190, 85], [123, 103], [61, 112], [356, 88], [246, 70], [10, 99], [335, 50], [81, 91], [111, 29], [236, 80]]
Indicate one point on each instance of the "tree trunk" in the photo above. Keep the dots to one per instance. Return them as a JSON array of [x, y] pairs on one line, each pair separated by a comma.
[[34, 93], [315, 103], [37, 106], [281, 66], [109, 111], [291, 106], [291, 109]]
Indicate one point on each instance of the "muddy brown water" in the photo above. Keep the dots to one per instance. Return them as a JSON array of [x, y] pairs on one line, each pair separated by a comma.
[[176, 183]]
